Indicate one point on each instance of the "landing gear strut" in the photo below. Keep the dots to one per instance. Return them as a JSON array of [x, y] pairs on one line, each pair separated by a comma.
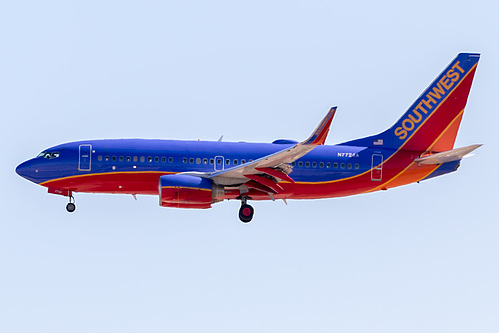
[[70, 207], [246, 211]]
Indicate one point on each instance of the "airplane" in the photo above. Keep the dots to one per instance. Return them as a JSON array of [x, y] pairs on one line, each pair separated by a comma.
[[197, 174]]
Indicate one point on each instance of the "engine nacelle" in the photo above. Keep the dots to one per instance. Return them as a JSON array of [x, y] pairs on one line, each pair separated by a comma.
[[184, 191]]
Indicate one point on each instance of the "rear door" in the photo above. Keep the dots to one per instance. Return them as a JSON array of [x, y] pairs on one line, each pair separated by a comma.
[[377, 167]]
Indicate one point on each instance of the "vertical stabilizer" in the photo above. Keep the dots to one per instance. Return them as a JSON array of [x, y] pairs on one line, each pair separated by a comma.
[[432, 121]]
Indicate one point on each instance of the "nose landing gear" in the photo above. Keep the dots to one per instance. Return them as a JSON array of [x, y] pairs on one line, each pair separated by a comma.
[[246, 211], [71, 207]]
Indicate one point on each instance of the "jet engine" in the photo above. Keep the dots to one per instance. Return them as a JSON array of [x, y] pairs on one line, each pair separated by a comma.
[[186, 191]]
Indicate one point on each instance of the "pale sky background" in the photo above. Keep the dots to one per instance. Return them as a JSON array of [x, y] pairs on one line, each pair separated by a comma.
[[421, 258]]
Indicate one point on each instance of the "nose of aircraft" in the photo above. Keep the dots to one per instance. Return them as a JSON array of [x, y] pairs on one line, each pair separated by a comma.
[[26, 170]]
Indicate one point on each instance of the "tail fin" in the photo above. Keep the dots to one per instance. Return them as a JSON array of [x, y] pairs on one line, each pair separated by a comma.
[[432, 121]]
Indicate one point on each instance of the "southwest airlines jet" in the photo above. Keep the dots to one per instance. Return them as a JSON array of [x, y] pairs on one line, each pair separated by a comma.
[[197, 174]]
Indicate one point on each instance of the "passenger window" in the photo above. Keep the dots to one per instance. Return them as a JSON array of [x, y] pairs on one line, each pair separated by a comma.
[[198, 161], [300, 164], [243, 161], [106, 158], [335, 165], [205, 161], [321, 165], [170, 159], [149, 159], [191, 160], [227, 162], [128, 159], [135, 158], [184, 160], [236, 162], [342, 165], [293, 164], [328, 165], [163, 159], [307, 164], [349, 165], [314, 165], [114, 158], [357, 165], [219, 162], [212, 161], [122, 158], [250, 161], [142, 158], [99, 158]]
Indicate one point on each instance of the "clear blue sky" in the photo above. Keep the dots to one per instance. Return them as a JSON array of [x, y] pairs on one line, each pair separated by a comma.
[[421, 258]]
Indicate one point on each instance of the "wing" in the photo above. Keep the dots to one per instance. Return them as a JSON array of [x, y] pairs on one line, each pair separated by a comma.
[[264, 173]]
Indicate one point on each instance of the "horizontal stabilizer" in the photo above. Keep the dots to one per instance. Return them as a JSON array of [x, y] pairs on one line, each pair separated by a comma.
[[446, 156]]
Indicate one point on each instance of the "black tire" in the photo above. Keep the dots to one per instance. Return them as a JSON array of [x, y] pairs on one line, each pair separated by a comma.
[[70, 207], [246, 213]]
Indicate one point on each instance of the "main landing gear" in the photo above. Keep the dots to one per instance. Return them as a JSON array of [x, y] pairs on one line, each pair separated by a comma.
[[246, 211], [71, 207]]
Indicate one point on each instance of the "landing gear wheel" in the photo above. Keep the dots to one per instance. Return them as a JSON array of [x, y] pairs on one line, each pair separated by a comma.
[[246, 213], [70, 207]]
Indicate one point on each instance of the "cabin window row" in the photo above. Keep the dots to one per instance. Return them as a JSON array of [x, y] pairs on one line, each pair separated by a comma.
[[163, 159], [328, 165], [218, 161], [212, 161], [156, 159]]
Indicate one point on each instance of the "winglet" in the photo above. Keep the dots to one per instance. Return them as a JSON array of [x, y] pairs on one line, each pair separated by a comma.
[[318, 137]]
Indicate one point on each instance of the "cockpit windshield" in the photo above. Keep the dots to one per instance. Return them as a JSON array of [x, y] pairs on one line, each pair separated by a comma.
[[48, 155]]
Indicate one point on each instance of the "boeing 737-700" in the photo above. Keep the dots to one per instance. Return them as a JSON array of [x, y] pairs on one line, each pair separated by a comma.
[[197, 174]]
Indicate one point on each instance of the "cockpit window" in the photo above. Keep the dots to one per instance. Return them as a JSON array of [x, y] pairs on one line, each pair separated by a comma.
[[48, 155]]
